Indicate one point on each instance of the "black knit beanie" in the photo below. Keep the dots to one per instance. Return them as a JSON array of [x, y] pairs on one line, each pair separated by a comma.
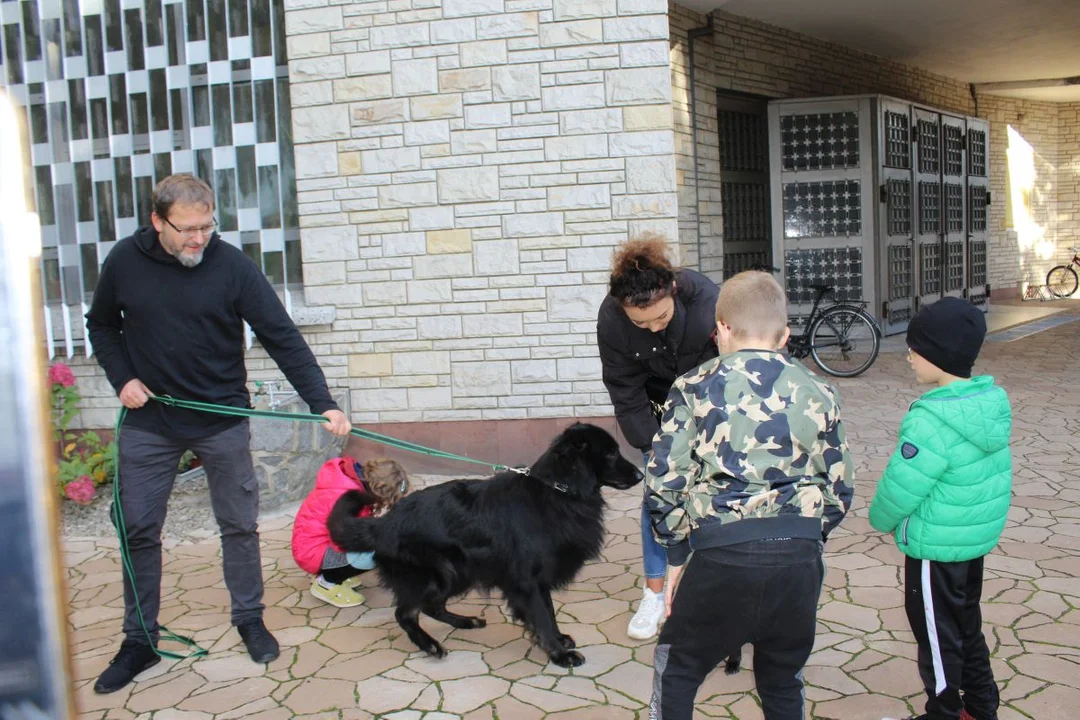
[[948, 333]]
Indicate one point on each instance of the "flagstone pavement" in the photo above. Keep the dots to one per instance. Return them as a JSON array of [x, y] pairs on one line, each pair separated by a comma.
[[356, 663]]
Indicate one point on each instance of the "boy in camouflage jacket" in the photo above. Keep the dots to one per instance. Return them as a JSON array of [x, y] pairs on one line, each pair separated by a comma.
[[751, 470]]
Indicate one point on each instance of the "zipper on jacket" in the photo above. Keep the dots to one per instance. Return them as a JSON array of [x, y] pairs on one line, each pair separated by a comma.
[[903, 530]]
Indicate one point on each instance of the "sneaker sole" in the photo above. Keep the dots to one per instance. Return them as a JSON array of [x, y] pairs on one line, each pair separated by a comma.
[[640, 636]]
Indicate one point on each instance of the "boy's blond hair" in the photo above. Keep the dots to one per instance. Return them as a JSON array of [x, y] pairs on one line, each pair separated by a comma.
[[753, 305]]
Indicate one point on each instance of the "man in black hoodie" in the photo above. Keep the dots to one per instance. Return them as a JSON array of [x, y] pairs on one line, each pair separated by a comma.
[[168, 319]]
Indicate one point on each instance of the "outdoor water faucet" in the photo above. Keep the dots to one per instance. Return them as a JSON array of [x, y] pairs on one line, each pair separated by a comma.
[[277, 395]]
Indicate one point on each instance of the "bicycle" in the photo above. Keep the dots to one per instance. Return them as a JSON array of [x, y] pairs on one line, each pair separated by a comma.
[[843, 339], [1062, 280]]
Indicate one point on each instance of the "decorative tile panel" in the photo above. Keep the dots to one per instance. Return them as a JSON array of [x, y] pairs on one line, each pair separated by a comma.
[[820, 141], [822, 209], [929, 146], [899, 315], [954, 266], [897, 140], [977, 152], [954, 150], [901, 272], [954, 207], [978, 263], [899, 207], [929, 208], [977, 208], [839, 267], [930, 268]]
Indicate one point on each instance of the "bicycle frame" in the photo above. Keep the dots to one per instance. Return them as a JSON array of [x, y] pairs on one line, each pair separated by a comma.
[[799, 345]]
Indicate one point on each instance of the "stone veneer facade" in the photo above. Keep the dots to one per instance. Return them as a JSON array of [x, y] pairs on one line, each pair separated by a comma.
[[466, 167]]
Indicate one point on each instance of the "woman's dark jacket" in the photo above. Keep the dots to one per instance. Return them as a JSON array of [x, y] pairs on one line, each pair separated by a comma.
[[640, 366]]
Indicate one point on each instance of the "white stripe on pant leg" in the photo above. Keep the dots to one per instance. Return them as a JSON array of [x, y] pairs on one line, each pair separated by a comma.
[[931, 630]]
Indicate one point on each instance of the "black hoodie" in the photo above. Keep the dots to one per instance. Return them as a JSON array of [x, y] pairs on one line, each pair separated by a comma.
[[180, 331]]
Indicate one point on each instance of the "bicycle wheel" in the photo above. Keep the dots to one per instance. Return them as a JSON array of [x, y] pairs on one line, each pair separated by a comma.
[[1062, 281], [844, 341]]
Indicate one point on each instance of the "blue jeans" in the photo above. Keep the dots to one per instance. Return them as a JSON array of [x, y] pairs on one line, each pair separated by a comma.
[[652, 552]]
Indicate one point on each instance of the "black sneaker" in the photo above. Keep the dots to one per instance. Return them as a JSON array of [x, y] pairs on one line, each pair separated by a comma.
[[132, 659], [261, 645]]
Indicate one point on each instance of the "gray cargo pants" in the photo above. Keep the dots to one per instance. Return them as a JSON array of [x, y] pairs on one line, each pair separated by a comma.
[[147, 471]]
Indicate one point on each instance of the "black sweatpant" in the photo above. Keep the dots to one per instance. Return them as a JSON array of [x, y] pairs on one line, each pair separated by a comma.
[[764, 593], [942, 603]]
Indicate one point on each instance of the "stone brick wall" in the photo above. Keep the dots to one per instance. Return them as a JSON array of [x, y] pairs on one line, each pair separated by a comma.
[[751, 57], [465, 169], [1068, 179]]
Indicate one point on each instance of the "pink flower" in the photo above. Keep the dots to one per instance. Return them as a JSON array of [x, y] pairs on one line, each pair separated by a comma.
[[80, 491], [60, 374]]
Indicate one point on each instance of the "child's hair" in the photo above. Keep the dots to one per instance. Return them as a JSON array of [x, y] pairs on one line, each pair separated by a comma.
[[641, 271], [753, 305], [386, 480]]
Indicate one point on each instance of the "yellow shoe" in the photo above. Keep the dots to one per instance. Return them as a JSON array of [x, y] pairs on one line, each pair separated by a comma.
[[337, 595]]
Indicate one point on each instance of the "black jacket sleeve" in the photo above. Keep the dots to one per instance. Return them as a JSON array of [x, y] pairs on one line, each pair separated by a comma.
[[260, 306], [625, 381], [104, 324]]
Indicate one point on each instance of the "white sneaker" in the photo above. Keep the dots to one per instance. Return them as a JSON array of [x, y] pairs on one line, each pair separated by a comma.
[[649, 616]]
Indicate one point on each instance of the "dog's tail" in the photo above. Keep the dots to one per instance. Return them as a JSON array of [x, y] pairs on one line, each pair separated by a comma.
[[354, 534]]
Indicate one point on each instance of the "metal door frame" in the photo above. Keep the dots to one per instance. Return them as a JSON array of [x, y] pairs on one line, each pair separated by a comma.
[[784, 247], [929, 206], [977, 192], [954, 207], [896, 217]]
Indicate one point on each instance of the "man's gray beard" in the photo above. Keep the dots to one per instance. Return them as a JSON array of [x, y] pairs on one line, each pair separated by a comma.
[[189, 261]]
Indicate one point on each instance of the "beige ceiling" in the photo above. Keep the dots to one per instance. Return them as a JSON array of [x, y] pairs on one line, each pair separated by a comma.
[[976, 41]]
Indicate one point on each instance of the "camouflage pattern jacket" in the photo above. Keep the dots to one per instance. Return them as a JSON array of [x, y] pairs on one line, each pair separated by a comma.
[[750, 447]]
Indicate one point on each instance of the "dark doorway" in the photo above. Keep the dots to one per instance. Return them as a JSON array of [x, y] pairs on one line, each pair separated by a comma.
[[743, 129]]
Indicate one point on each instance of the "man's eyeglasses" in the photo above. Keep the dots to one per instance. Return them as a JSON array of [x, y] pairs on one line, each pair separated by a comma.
[[192, 232]]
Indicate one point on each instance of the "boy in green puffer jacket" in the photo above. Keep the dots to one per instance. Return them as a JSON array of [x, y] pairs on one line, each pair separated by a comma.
[[945, 495]]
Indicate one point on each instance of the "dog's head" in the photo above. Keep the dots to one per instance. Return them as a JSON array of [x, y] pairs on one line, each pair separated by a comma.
[[584, 457]]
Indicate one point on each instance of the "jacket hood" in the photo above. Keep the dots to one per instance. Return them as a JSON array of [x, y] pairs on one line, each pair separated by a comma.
[[146, 239], [977, 409], [337, 474]]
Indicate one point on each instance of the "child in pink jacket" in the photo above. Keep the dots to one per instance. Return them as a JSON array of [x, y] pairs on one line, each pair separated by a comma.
[[335, 570]]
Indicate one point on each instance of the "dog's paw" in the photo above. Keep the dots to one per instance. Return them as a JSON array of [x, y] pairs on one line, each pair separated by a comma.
[[435, 650], [731, 666], [568, 659], [567, 642], [477, 623]]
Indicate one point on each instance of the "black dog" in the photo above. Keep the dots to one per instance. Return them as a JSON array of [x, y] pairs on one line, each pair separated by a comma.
[[525, 535]]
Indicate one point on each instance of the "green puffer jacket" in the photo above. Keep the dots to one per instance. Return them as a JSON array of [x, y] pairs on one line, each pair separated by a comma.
[[946, 491]]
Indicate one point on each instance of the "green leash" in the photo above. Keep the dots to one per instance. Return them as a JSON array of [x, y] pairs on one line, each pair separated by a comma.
[[118, 513]]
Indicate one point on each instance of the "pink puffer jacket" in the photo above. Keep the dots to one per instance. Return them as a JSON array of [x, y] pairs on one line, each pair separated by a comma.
[[310, 538]]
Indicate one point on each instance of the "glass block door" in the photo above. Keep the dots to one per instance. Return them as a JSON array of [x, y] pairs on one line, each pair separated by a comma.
[[822, 159], [897, 215], [929, 207], [954, 207], [743, 131], [978, 187], [120, 93]]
